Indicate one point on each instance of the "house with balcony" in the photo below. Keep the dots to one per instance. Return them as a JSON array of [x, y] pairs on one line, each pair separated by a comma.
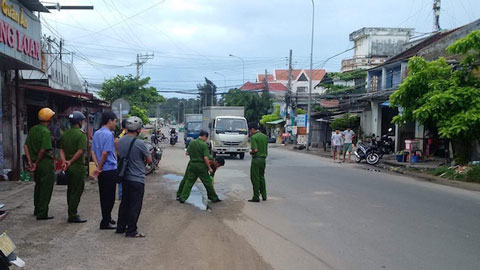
[[373, 46], [385, 79]]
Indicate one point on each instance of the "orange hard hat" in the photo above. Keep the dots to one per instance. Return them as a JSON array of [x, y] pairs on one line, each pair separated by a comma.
[[45, 114]]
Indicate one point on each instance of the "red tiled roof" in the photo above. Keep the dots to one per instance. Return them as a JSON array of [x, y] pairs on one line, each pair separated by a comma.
[[261, 77], [248, 86], [282, 74]]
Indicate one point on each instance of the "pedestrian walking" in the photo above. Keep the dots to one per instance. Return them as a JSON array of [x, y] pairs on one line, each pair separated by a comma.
[[336, 144], [135, 155], [73, 145], [38, 147], [348, 136], [216, 163], [103, 154], [199, 167], [259, 152]]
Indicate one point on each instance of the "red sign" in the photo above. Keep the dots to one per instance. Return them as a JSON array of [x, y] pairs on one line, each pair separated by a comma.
[[329, 103]]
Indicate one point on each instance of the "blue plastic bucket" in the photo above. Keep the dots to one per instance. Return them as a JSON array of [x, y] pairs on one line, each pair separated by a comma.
[[414, 159]]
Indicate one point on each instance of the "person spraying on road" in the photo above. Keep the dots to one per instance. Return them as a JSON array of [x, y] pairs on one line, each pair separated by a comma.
[[216, 163], [38, 148], [199, 167], [259, 152], [73, 145]]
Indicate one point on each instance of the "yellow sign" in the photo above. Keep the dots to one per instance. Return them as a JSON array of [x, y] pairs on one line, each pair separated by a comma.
[[18, 17]]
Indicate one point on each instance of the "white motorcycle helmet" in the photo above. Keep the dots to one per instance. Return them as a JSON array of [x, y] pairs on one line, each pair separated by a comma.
[[133, 123]]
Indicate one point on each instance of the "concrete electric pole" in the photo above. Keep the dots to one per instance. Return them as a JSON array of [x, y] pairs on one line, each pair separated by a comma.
[[141, 60], [436, 15]]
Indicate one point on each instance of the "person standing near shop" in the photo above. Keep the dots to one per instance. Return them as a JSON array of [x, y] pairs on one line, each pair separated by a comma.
[[133, 184], [259, 152], [348, 136], [38, 147], [73, 145], [199, 167], [104, 156]]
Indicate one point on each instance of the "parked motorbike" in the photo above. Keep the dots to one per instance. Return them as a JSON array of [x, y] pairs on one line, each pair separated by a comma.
[[366, 152], [7, 249], [385, 145], [156, 157]]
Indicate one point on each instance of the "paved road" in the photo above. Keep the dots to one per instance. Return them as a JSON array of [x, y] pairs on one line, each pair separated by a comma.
[[322, 215]]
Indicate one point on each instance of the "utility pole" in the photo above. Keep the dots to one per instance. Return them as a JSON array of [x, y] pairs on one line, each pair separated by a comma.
[[436, 15], [266, 81], [141, 60], [310, 79], [289, 85]]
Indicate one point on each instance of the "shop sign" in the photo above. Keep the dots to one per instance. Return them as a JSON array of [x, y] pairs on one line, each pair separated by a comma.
[[20, 34], [329, 103]]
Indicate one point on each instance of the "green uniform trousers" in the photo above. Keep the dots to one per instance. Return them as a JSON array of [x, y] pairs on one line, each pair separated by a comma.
[[76, 183], [44, 177], [257, 176], [197, 170], [182, 183]]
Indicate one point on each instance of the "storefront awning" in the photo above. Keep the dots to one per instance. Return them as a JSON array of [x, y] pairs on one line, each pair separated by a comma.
[[276, 122], [68, 93]]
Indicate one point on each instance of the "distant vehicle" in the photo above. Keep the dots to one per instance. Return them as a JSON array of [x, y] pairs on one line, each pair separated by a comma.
[[228, 130], [156, 157], [193, 126]]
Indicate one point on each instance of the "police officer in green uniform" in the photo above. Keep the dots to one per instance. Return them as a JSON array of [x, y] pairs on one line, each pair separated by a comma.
[[73, 145], [38, 148], [259, 152], [199, 167], [216, 163]]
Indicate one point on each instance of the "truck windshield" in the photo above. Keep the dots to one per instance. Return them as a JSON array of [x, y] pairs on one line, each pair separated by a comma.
[[194, 126], [231, 125]]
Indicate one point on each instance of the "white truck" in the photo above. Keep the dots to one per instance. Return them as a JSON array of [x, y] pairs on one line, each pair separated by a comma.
[[228, 130]]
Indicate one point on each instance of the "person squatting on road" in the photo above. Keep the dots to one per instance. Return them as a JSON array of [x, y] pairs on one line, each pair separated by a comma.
[[73, 145], [38, 148], [199, 167], [259, 152], [135, 155], [216, 163], [103, 154]]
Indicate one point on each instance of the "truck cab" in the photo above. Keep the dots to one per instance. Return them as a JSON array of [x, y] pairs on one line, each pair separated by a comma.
[[192, 130]]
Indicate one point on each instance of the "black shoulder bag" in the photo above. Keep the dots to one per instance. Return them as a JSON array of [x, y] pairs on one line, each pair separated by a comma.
[[123, 163]]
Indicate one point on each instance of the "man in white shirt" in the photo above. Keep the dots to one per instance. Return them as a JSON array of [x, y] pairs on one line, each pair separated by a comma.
[[348, 136], [336, 144]]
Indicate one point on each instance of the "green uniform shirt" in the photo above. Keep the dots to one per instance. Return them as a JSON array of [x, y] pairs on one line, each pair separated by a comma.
[[197, 150], [73, 140], [259, 141], [39, 138]]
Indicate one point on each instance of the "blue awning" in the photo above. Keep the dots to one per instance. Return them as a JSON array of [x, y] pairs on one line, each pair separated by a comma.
[[386, 103]]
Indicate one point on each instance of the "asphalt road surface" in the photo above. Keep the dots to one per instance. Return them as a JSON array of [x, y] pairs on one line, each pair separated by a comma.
[[324, 215]]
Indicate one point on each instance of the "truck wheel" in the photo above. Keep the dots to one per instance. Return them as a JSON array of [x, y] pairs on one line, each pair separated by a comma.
[[242, 155], [214, 154]]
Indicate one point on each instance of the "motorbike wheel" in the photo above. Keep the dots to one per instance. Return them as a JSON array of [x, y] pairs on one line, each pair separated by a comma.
[[149, 168], [357, 159], [373, 158]]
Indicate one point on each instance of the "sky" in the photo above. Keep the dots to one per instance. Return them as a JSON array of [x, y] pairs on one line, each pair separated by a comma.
[[192, 39]]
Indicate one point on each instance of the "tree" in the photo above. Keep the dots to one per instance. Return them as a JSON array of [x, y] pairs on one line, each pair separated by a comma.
[[207, 93], [346, 121], [135, 90], [271, 117], [435, 92], [255, 104]]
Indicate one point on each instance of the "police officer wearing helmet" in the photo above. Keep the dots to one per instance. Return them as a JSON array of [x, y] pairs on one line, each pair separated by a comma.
[[133, 182], [38, 148], [73, 145]]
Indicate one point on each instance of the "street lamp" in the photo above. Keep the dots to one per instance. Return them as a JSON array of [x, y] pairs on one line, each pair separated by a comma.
[[310, 79], [243, 64]]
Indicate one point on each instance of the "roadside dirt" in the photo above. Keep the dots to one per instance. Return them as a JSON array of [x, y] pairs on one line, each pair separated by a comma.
[[178, 236]]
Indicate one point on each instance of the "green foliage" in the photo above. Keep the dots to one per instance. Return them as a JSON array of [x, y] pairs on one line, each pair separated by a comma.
[[271, 117], [135, 90], [142, 113], [319, 108], [171, 108], [432, 93], [300, 111], [347, 120], [347, 76], [473, 175], [255, 105], [207, 93], [448, 172]]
